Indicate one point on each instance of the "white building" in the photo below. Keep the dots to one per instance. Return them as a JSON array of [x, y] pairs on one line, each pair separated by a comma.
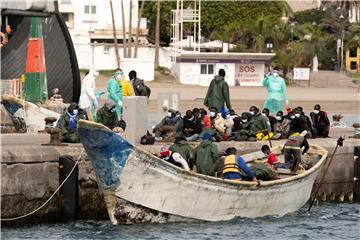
[[90, 26]]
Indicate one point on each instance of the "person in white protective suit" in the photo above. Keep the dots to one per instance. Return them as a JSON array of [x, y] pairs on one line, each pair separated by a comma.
[[87, 96], [276, 88]]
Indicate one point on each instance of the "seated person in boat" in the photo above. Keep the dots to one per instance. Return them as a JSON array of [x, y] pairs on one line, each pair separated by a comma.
[[205, 155], [292, 150], [168, 126], [320, 122], [192, 125], [107, 115], [183, 148], [281, 126], [258, 124], [68, 124], [234, 165], [272, 160], [174, 158]]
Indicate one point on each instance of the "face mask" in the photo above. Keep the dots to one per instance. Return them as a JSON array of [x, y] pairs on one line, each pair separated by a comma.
[[169, 114], [112, 110], [316, 111], [190, 119], [118, 76], [200, 115], [212, 114], [244, 120], [292, 117], [297, 115], [75, 111], [275, 75], [227, 116], [278, 118], [252, 113], [263, 114], [96, 73]]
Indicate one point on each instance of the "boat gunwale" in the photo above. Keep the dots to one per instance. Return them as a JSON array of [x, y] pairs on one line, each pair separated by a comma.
[[319, 150]]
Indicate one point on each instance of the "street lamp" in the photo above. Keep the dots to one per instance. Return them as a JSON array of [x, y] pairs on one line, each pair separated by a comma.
[[341, 17], [269, 46], [292, 25]]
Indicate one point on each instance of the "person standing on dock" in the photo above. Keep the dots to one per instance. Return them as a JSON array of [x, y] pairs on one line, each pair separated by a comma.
[[218, 92], [115, 91], [87, 96]]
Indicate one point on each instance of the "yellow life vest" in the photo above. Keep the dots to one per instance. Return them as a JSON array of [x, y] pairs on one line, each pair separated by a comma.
[[230, 164]]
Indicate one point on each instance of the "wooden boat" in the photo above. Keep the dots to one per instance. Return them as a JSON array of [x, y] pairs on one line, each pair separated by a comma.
[[127, 172]]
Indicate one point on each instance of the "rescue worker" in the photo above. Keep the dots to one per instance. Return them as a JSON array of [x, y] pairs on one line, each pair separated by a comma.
[[276, 88], [218, 92], [320, 122], [107, 115], [206, 155], [140, 89], [234, 164], [115, 91], [192, 126], [87, 96], [292, 150], [174, 158], [127, 89], [68, 124], [183, 148]]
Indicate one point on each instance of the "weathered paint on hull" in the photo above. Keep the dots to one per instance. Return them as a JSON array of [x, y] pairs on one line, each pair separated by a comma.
[[153, 183]]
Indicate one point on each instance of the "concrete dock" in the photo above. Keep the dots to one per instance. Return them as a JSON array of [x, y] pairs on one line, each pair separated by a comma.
[[31, 173]]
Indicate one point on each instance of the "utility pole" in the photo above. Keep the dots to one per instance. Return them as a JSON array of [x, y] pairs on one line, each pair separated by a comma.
[[157, 35], [130, 30], [138, 30], [114, 33]]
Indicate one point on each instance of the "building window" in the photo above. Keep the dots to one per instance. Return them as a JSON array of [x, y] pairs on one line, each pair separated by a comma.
[[106, 49], [353, 52], [90, 9], [207, 69], [352, 65]]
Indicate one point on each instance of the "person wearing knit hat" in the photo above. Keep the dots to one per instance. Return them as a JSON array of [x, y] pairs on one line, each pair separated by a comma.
[[107, 115]]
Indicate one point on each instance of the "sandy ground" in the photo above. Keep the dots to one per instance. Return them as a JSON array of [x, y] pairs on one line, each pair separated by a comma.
[[335, 93]]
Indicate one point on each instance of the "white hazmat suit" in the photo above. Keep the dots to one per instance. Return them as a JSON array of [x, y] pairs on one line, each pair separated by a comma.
[[87, 96]]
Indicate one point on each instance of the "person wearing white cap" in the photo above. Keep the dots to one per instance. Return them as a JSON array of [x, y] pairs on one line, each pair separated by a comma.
[[87, 96]]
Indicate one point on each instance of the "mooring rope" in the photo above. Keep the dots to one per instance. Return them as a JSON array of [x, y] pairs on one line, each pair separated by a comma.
[[37, 209]]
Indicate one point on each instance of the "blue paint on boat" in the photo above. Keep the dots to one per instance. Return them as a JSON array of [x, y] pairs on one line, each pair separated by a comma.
[[108, 153]]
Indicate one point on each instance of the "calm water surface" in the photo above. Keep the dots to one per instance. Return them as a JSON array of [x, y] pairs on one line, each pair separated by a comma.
[[327, 221]]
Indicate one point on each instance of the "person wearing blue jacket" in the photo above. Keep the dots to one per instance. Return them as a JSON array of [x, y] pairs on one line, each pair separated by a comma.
[[115, 91], [234, 165]]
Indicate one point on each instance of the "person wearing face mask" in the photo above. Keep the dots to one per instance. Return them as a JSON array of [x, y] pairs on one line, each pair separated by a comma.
[[259, 124], [168, 126], [87, 96], [218, 92], [228, 122], [320, 122], [107, 115], [217, 123], [272, 120], [242, 126], [115, 91], [298, 122], [192, 126], [205, 119], [275, 85], [281, 126], [68, 124]]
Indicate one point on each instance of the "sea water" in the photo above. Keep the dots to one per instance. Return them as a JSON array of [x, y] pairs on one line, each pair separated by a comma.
[[326, 221]]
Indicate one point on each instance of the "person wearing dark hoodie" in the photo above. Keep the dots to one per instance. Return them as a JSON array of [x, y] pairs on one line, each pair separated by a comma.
[[218, 92], [192, 126], [205, 155], [107, 115], [183, 148], [68, 124]]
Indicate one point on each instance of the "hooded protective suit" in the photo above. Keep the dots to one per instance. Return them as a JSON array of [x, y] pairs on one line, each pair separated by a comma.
[[87, 95], [115, 93], [276, 93], [218, 94]]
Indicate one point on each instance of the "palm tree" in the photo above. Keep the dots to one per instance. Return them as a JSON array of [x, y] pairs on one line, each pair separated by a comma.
[[138, 30], [114, 33], [226, 34], [130, 30], [123, 27]]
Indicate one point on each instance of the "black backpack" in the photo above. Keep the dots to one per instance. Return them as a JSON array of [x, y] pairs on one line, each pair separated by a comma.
[[147, 139]]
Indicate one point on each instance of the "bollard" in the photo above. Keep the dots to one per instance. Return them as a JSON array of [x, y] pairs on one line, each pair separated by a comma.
[[351, 196], [356, 185], [54, 133], [49, 123], [323, 197], [341, 197], [69, 192]]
